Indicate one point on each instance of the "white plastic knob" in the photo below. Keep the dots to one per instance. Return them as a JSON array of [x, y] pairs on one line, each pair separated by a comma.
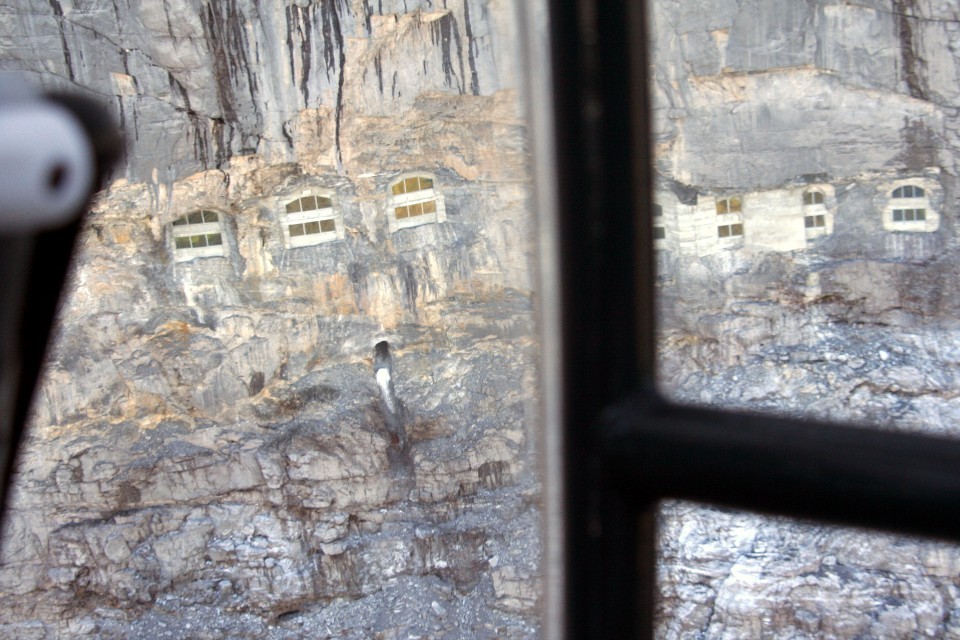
[[46, 166]]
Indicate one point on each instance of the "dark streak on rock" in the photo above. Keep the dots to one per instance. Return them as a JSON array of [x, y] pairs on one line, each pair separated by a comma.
[[333, 40], [441, 31], [358, 274], [289, 12], [471, 56], [409, 277], [306, 50], [913, 65], [221, 68], [378, 66], [58, 15]]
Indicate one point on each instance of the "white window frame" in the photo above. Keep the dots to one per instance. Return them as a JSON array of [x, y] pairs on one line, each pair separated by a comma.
[[730, 220], [192, 230], [907, 207], [315, 216], [816, 210], [421, 196]]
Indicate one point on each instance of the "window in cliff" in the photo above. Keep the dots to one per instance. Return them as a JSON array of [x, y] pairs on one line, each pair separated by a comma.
[[311, 219], [909, 209], [815, 214], [733, 204], [198, 235], [730, 230], [659, 231], [414, 200]]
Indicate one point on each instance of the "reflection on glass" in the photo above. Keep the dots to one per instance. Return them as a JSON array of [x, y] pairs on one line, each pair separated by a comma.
[[833, 302]]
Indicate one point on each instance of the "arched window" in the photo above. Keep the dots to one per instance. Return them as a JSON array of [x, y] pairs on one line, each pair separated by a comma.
[[310, 220], [198, 234], [414, 200], [909, 210], [908, 191], [812, 197]]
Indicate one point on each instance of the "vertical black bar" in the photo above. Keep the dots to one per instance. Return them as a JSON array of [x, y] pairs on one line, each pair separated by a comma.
[[607, 328]]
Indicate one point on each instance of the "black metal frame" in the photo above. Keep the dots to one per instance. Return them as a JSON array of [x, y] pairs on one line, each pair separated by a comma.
[[623, 447]]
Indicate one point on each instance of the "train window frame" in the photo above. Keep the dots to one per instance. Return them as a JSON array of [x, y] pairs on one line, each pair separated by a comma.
[[613, 447]]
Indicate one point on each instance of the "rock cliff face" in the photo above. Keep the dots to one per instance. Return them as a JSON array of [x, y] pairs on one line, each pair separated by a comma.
[[832, 305], [209, 456]]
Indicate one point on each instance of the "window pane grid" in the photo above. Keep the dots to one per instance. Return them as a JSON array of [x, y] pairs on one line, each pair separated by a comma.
[[908, 191], [733, 204], [730, 230], [909, 215]]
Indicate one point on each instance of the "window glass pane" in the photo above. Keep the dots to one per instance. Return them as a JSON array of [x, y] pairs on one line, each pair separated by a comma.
[[724, 231], [840, 322], [734, 204], [218, 451], [416, 209], [722, 206]]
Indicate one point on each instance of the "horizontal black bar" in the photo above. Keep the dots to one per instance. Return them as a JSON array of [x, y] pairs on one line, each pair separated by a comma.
[[842, 474]]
